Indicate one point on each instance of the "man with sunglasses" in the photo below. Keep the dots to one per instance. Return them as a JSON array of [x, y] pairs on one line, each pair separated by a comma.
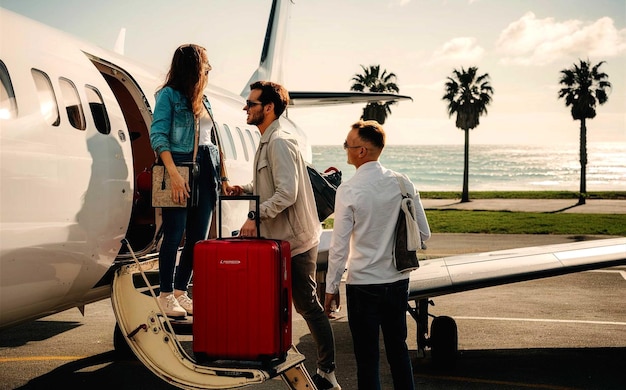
[[366, 210], [288, 212]]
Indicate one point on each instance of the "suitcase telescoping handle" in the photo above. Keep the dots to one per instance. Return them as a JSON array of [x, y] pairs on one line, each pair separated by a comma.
[[257, 217]]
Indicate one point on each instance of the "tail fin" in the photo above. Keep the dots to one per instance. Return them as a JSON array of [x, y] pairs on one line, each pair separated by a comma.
[[120, 42], [271, 63]]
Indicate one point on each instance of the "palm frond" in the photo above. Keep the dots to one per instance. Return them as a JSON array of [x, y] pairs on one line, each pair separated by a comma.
[[584, 87], [372, 80]]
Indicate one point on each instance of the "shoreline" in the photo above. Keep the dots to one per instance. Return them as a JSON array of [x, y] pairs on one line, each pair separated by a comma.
[[502, 167]]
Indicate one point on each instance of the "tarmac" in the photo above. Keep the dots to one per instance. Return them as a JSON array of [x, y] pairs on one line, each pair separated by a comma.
[[566, 332]]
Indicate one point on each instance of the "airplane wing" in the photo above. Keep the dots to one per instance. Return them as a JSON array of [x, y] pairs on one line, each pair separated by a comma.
[[468, 272], [311, 99], [454, 274], [447, 275]]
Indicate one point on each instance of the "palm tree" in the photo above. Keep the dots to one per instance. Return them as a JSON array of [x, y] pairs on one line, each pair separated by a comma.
[[468, 96], [585, 86], [374, 81]]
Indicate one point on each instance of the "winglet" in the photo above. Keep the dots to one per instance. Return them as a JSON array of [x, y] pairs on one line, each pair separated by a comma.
[[120, 42], [271, 63]]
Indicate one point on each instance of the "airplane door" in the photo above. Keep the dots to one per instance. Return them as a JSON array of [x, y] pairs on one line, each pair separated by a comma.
[[137, 114]]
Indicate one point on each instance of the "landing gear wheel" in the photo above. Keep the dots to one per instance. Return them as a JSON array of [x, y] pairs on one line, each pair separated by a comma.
[[122, 350], [444, 341]]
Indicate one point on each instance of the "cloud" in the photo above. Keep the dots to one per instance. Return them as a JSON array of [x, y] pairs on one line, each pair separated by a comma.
[[530, 41], [458, 49]]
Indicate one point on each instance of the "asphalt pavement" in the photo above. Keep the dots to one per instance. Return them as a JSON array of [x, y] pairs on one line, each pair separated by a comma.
[[566, 332]]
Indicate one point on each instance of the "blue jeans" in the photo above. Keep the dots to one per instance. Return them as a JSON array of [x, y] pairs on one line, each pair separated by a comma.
[[375, 306], [308, 306], [193, 223]]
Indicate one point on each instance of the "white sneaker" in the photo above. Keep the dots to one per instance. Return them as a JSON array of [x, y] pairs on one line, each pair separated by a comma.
[[170, 306], [325, 381], [186, 303]]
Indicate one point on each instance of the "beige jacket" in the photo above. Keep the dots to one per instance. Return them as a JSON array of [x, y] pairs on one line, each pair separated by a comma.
[[281, 180]]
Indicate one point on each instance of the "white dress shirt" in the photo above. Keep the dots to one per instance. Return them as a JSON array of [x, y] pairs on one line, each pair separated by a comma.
[[366, 210]]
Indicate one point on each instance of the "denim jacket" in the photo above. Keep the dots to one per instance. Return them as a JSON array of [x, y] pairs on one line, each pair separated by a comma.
[[172, 126]]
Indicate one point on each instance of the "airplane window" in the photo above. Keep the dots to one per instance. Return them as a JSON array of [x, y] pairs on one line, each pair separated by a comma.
[[98, 110], [243, 143], [8, 104], [227, 137], [73, 105], [254, 144], [47, 99]]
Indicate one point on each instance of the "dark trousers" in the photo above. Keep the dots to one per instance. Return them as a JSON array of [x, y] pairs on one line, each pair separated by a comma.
[[370, 308], [193, 223], [308, 306]]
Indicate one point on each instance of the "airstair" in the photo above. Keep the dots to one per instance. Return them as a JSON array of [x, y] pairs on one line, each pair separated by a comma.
[[154, 339]]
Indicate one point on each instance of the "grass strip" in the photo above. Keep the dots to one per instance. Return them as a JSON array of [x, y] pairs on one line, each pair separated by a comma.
[[504, 222], [507, 222]]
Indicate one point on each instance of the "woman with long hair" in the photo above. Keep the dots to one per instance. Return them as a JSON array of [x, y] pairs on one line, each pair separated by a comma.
[[179, 106]]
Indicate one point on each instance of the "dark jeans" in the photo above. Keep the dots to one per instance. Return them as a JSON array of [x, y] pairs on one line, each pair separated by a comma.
[[308, 306], [375, 306], [192, 222]]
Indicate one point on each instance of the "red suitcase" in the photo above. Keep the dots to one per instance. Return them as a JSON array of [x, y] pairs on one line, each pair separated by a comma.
[[242, 298]]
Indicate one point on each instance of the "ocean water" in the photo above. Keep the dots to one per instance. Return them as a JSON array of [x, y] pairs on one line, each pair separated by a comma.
[[495, 167]]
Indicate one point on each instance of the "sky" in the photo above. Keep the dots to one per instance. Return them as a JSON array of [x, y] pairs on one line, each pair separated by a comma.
[[522, 44]]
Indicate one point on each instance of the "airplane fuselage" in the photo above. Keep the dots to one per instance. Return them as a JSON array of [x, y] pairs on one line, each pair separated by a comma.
[[66, 186], [74, 139]]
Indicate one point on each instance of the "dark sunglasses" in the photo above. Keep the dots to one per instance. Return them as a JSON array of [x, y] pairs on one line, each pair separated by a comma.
[[250, 103], [345, 146]]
